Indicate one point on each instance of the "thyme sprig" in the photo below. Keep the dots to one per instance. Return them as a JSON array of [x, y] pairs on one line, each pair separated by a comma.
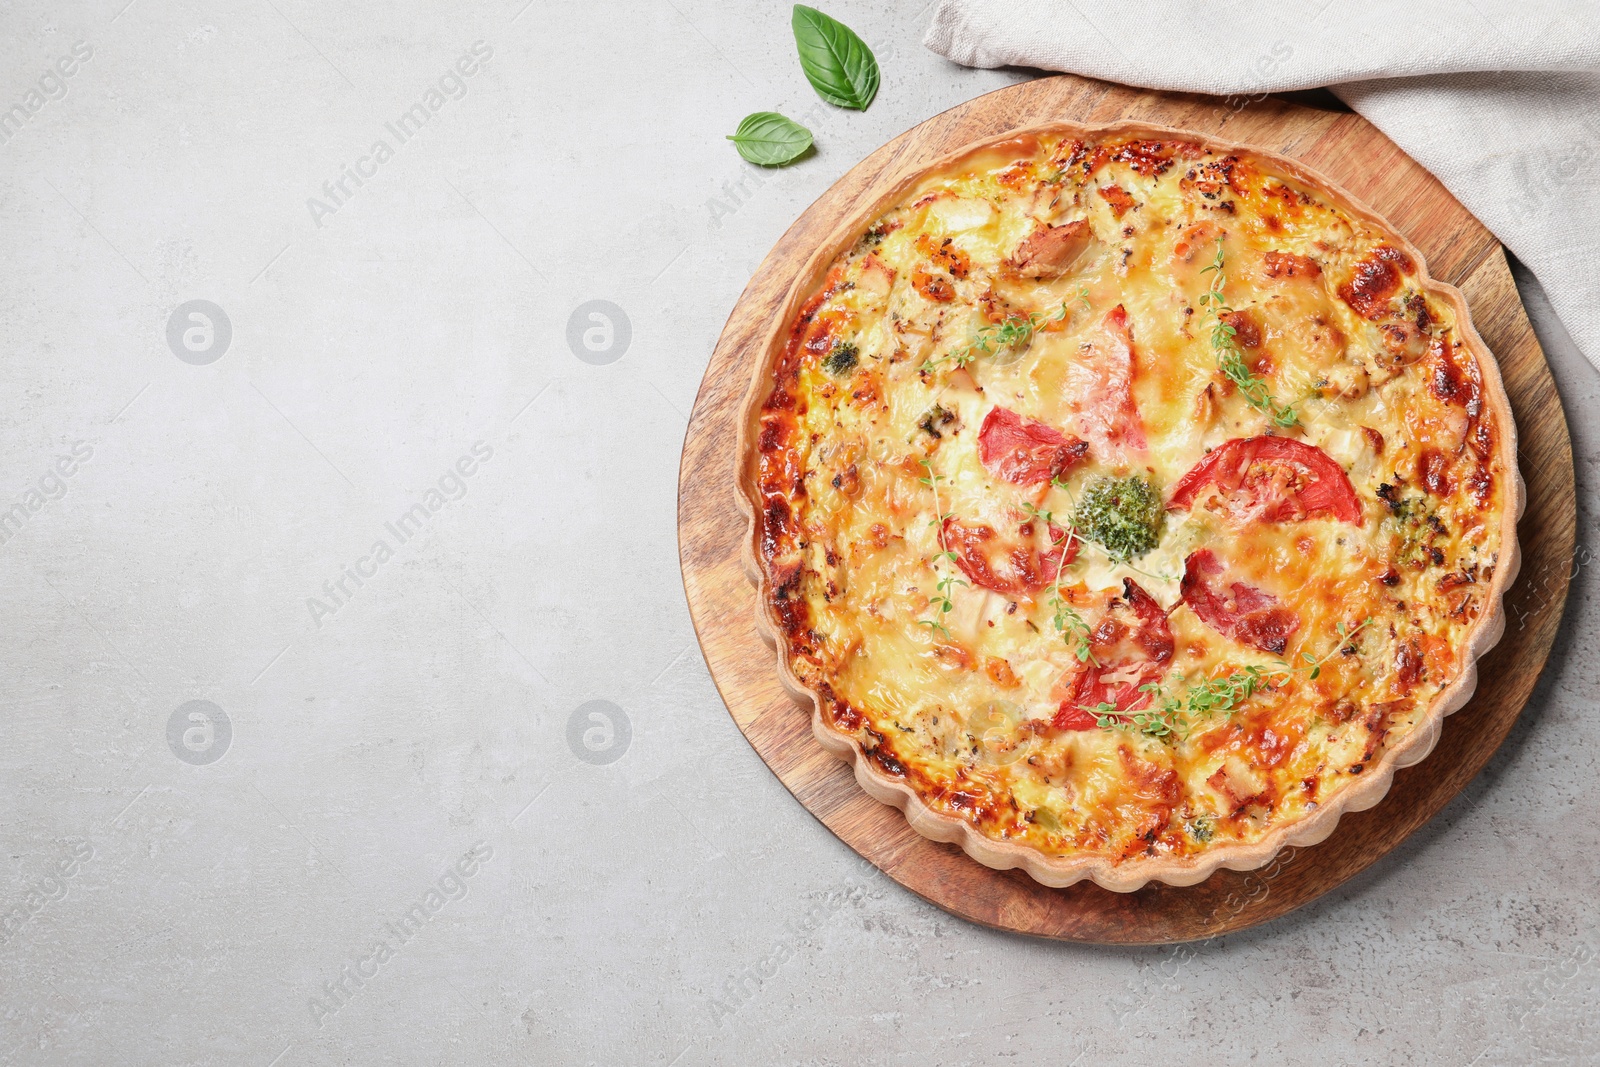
[[1313, 665], [948, 581], [1071, 626], [1013, 330], [1068, 623], [1171, 716], [1230, 357], [1174, 717]]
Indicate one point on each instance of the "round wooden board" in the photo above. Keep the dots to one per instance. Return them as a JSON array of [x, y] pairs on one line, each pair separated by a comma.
[[722, 601]]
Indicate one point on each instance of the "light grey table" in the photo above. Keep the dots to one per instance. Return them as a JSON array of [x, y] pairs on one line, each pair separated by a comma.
[[396, 828]]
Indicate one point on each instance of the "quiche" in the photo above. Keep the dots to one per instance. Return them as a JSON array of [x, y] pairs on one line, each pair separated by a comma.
[[1126, 503]]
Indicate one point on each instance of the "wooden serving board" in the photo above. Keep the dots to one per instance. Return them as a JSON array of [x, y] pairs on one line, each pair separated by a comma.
[[722, 601]]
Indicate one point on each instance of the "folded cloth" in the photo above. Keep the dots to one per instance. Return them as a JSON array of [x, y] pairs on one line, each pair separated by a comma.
[[1501, 101]]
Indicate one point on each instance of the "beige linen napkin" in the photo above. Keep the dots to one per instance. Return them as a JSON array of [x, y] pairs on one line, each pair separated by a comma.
[[1500, 100]]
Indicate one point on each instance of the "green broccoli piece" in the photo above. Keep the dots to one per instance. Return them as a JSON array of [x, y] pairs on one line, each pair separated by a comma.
[[843, 359], [1122, 515]]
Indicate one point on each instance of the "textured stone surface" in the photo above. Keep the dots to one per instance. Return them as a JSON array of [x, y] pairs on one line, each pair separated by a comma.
[[601, 895]]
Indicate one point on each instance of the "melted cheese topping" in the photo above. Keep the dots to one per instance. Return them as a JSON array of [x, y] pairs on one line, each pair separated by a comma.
[[870, 433]]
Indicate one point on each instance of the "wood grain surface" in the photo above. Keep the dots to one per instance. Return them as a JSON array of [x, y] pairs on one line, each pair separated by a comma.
[[722, 601]]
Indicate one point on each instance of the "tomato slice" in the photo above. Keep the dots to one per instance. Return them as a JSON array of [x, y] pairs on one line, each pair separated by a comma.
[[1101, 380], [1011, 566], [1242, 612], [1272, 479], [1025, 451], [1118, 685], [1153, 634], [1131, 647]]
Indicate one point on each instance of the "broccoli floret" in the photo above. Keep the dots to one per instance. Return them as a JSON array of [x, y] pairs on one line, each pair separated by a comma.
[[842, 360], [1122, 515]]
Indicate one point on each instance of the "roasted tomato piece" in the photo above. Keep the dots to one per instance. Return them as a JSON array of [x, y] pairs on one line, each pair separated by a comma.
[[1272, 479], [1241, 612], [1015, 565], [1025, 451], [1100, 382], [1132, 645]]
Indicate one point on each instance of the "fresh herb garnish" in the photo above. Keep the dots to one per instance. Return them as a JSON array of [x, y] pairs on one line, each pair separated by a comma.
[[843, 359], [948, 581], [1170, 716], [1313, 665], [1013, 332], [769, 139], [1175, 717], [837, 63], [1230, 357], [1122, 515], [1069, 624]]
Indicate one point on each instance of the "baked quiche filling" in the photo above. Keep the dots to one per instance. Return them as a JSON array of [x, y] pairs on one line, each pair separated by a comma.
[[1126, 498]]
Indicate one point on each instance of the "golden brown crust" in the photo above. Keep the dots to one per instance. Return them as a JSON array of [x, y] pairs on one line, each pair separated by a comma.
[[882, 781]]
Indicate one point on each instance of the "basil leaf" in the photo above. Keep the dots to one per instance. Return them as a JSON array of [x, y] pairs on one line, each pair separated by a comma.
[[837, 63], [769, 139]]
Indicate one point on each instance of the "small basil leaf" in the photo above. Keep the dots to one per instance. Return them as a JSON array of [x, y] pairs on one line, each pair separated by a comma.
[[837, 63], [769, 139]]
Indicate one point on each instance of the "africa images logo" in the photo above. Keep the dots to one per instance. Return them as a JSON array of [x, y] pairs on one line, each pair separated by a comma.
[[598, 732], [599, 332], [199, 732], [199, 332]]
